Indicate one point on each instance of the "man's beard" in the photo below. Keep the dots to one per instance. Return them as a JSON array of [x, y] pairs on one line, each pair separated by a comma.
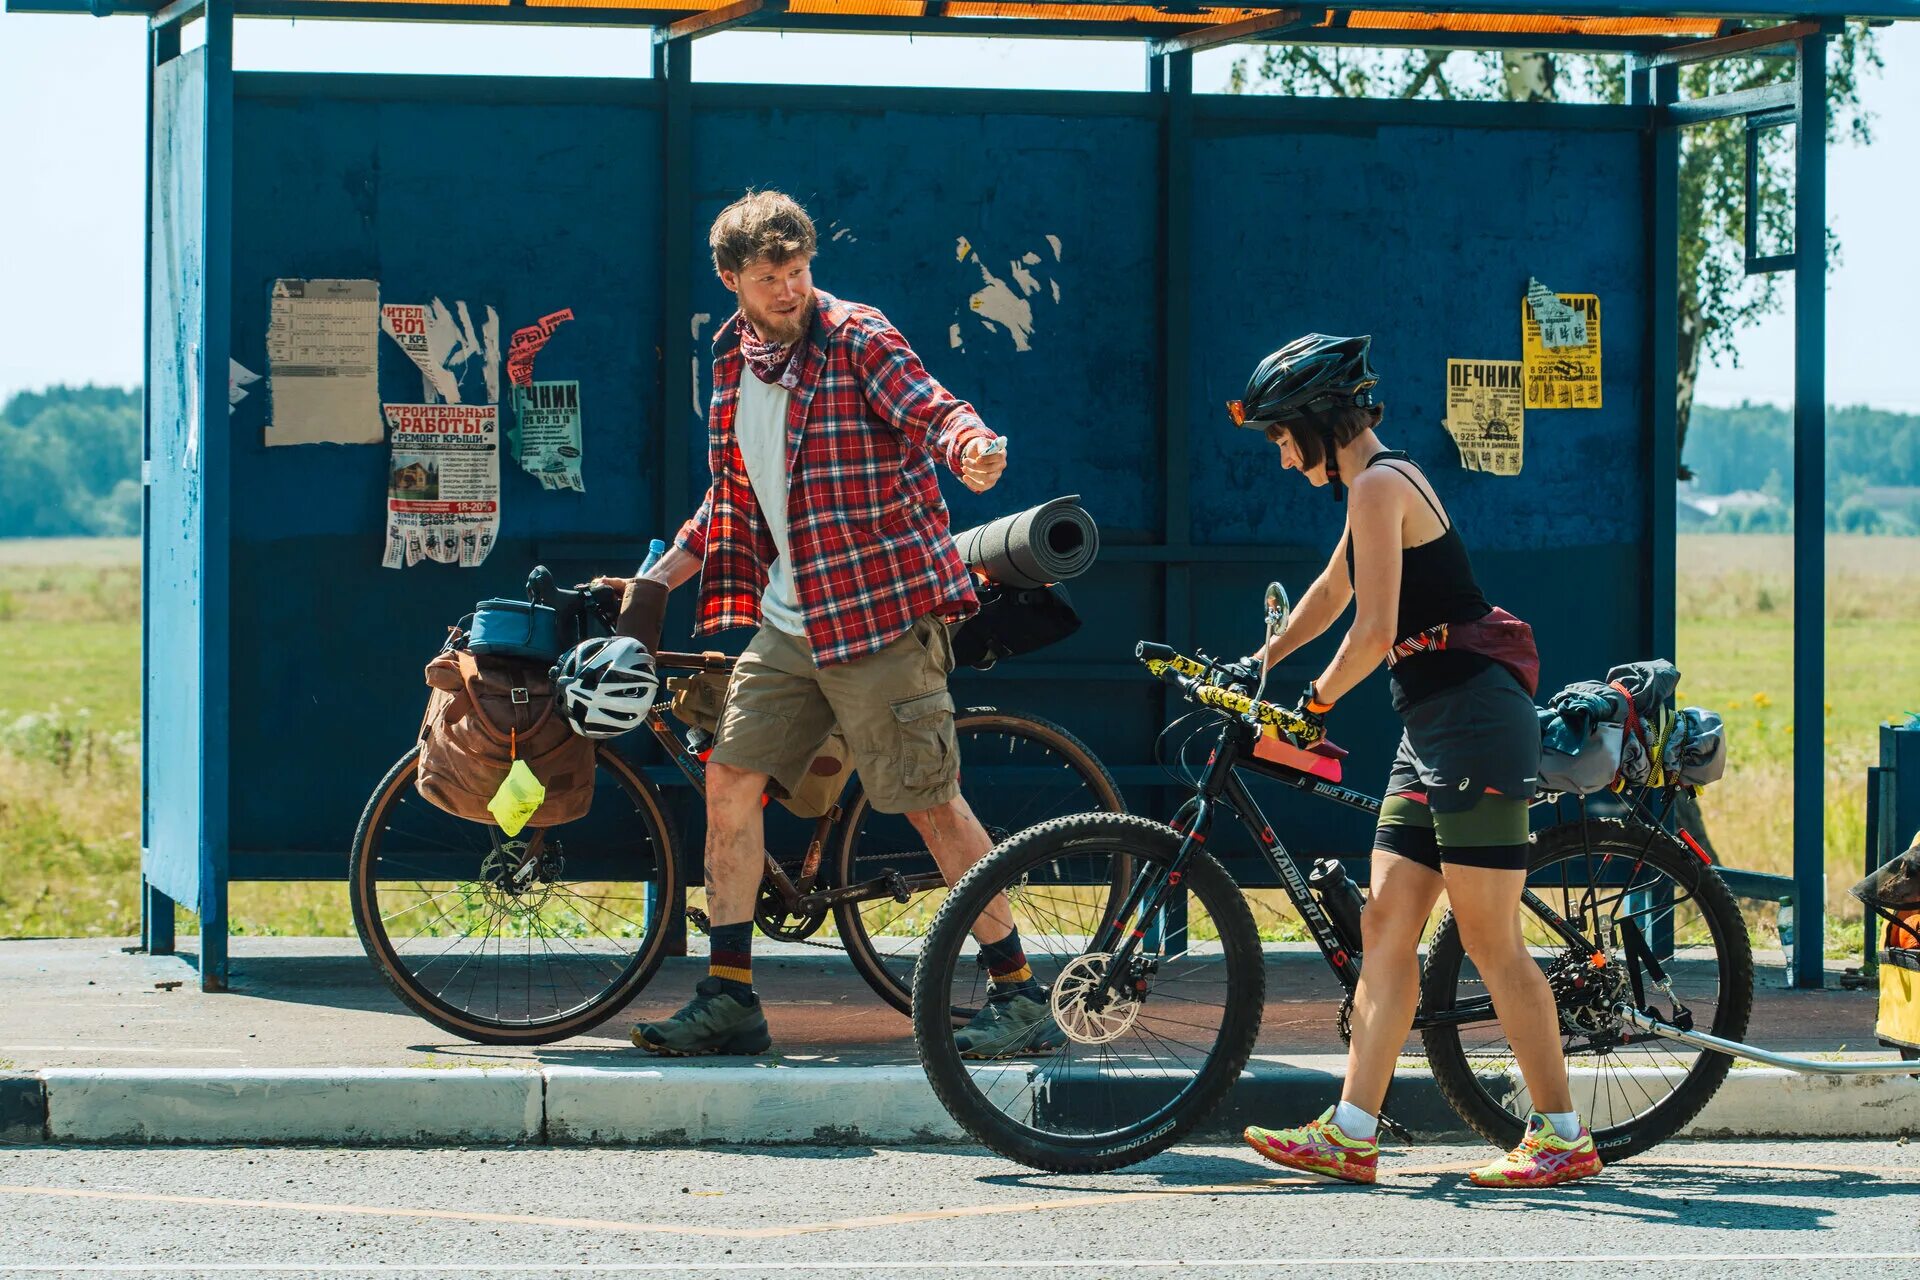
[[782, 331]]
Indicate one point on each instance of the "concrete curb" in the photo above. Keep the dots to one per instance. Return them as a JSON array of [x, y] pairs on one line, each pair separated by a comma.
[[360, 1107], [690, 1104]]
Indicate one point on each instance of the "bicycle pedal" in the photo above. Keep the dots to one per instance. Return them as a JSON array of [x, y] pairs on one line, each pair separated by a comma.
[[699, 920], [1395, 1128], [897, 886]]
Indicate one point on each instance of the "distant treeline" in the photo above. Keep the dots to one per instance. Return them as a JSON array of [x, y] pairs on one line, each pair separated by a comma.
[[1750, 447], [70, 463]]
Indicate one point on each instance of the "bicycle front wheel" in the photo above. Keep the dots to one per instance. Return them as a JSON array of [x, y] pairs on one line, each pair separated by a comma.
[[1017, 771], [514, 940], [1669, 937], [1112, 1078]]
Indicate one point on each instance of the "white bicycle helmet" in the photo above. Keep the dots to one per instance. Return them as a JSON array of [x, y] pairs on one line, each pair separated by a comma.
[[605, 686]]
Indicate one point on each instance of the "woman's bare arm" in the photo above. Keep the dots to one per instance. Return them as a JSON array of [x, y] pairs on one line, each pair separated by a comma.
[[1374, 523], [1323, 602]]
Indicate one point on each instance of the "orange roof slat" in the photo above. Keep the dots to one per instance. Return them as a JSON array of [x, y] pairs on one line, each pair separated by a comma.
[[1101, 13], [1527, 24]]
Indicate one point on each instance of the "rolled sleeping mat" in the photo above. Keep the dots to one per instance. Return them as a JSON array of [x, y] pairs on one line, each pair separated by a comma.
[[1052, 542]]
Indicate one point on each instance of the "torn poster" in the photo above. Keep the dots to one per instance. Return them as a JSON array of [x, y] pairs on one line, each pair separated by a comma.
[[1563, 377], [1485, 414], [999, 306], [526, 345], [239, 378], [443, 483], [1561, 323], [321, 362], [448, 351], [545, 435]]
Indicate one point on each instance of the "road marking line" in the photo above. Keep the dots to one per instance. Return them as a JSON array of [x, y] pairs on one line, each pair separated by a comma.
[[891, 1265], [908, 1218]]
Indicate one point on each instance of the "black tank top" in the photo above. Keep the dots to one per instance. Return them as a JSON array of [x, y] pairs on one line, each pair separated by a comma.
[[1436, 585]]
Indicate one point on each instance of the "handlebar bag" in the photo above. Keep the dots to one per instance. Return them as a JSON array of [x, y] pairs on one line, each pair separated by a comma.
[[1013, 621]]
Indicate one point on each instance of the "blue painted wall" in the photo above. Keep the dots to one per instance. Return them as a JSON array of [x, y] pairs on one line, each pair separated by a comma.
[[533, 195]]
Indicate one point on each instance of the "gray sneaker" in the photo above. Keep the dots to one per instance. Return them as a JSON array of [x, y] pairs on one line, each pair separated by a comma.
[[711, 1022], [1010, 1024]]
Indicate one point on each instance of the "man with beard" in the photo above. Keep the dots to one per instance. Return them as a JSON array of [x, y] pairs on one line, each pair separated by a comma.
[[824, 527]]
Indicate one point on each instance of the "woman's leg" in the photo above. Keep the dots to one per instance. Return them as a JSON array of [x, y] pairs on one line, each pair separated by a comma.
[[1486, 906], [1404, 891]]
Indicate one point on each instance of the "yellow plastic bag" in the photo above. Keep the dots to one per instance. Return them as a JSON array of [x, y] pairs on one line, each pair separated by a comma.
[[519, 795]]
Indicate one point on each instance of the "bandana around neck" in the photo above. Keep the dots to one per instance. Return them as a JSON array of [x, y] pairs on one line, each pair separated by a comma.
[[772, 363]]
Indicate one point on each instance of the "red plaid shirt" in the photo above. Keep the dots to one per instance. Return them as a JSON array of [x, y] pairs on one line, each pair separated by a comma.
[[872, 549]]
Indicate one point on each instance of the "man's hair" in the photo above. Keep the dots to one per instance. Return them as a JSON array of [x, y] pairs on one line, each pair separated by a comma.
[[761, 224], [1344, 422]]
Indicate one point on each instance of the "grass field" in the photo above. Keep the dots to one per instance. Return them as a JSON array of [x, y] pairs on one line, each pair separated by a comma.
[[70, 699]]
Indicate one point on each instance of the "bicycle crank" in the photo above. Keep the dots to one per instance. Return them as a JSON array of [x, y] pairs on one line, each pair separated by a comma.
[[1082, 1007]]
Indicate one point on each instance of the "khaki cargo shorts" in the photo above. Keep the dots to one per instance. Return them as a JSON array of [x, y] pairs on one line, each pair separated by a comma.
[[892, 706]]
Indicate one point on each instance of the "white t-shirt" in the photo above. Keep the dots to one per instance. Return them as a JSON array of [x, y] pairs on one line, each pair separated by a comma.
[[760, 420]]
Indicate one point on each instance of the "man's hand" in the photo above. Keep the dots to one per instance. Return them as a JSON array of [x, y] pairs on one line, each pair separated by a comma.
[[979, 469]]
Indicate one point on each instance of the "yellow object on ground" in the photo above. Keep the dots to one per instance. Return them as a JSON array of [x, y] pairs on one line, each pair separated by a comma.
[[519, 795], [1900, 997]]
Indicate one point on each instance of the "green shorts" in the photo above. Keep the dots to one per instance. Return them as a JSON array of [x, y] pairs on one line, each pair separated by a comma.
[[893, 707]]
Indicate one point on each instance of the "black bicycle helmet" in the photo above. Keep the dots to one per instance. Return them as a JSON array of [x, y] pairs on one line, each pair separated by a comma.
[[1308, 376]]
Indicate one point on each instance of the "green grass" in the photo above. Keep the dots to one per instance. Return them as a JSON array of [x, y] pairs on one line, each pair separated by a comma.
[[70, 700]]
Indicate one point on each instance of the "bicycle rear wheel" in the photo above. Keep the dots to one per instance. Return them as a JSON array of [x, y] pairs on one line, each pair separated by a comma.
[[522, 940], [1017, 771], [1133, 1073], [1651, 908]]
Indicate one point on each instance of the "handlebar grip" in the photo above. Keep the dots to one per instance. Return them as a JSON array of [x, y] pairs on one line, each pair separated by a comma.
[[1148, 651]]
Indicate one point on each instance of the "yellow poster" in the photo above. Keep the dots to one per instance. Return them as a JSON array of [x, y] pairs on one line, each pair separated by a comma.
[[1485, 413], [1561, 374]]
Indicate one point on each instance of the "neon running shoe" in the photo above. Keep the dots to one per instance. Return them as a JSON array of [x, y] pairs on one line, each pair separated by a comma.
[[1321, 1147], [1543, 1159]]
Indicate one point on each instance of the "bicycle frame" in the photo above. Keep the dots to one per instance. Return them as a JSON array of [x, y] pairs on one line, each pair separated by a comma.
[[1222, 787], [799, 895]]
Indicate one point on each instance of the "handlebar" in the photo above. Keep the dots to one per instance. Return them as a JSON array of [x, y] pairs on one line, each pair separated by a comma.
[[1191, 677]]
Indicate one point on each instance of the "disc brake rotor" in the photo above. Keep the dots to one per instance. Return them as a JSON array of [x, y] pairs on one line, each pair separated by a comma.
[[1081, 1023]]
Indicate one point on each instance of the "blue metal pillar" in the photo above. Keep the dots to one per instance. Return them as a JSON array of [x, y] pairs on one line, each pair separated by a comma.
[[1662, 86], [1170, 76], [1809, 513], [673, 68], [156, 908], [216, 453]]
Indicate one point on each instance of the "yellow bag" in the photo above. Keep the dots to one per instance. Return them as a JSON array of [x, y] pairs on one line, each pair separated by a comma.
[[1900, 996], [519, 795]]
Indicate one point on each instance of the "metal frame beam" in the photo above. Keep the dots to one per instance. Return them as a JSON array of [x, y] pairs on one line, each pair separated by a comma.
[[1771, 42], [1656, 86], [738, 14], [1254, 28], [1771, 99], [1809, 514], [178, 13]]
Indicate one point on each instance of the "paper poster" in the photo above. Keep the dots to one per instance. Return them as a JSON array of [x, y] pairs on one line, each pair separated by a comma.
[[545, 435], [1561, 323], [239, 378], [1562, 377], [458, 364], [321, 362], [443, 483], [526, 345], [1485, 415]]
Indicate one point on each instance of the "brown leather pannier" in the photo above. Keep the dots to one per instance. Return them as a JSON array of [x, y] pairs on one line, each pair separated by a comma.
[[483, 712]]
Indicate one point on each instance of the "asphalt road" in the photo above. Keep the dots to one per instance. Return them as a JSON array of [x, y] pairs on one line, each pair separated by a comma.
[[1690, 1209]]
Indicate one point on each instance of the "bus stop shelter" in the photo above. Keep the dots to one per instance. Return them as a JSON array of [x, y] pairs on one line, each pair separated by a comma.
[[1156, 243]]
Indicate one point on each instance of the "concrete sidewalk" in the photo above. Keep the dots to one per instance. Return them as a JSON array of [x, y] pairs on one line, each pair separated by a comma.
[[309, 1045]]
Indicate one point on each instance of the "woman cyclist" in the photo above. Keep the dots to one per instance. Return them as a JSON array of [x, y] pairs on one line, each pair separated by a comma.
[[1455, 816]]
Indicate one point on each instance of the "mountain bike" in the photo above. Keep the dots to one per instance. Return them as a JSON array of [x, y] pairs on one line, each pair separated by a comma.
[[1158, 992], [541, 936]]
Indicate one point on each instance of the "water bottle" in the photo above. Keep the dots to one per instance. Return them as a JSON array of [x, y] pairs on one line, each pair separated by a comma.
[[1341, 898], [655, 550]]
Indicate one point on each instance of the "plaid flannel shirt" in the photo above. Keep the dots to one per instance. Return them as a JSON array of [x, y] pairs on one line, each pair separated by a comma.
[[872, 548]]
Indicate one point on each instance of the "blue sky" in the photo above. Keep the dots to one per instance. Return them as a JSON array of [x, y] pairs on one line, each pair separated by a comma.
[[72, 105]]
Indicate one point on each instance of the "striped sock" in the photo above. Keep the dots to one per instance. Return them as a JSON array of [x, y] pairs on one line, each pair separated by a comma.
[[1007, 963], [731, 958]]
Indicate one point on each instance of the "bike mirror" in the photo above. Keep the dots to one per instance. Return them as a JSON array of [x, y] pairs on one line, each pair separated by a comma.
[[1278, 607]]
